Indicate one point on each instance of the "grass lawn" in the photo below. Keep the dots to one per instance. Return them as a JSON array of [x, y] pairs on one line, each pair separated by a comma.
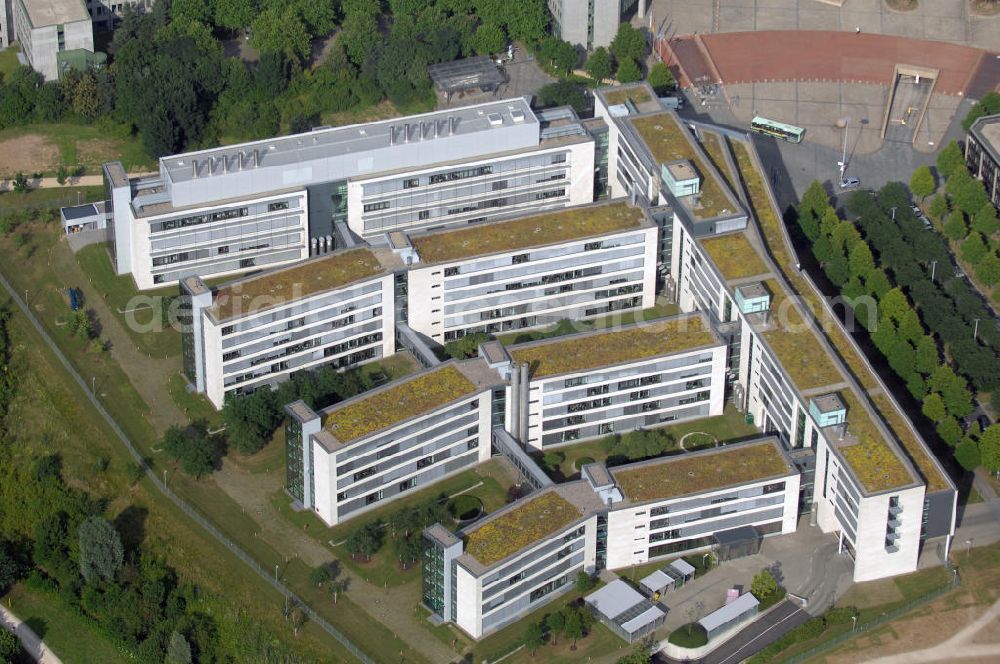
[[731, 425], [49, 412], [51, 197], [8, 61], [488, 483], [87, 145], [144, 321], [194, 405], [75, 639], [600, 643]]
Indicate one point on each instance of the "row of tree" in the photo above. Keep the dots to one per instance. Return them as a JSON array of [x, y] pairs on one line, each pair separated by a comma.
[[893, 324]]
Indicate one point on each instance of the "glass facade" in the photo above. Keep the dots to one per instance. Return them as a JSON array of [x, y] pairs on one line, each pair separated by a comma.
[[294, 462], [433, 577]]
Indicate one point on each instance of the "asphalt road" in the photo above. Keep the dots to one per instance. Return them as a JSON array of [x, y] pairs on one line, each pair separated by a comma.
[[756, 636]]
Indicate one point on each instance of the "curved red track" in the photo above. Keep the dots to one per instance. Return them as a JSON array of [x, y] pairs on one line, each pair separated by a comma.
[[810, 55]]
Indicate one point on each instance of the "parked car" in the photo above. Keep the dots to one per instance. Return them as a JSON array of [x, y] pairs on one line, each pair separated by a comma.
[[850, 183]]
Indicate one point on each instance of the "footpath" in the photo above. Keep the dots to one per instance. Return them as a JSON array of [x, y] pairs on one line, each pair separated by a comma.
[[32, 645]]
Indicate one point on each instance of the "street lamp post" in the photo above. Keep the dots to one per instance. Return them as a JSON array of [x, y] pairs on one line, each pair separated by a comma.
[[893, 212], [275, 571], [854, 623], [968, 546], [933, 268], [975, 330]]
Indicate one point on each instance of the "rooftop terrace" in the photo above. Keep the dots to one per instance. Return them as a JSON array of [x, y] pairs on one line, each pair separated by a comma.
[[541, 229], [874, 462], [396, 403], [521, 526], [733, 254], [668, 141], [703, 471], [591, 350], [278, 287], [795, 344]]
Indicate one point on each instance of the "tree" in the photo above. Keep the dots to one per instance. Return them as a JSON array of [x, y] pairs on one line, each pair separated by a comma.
[[81, 325], [281, 29], [628, 72], [584, 582], [192, 447], [203, 11], [955, 227], [950, 430], [989, 448], [319, 575], [950, 160], [985, 221], [967, 454], [638, 656], [987, 105], [599, 64], [563, 93], [178, 650], [365, 541], [973, 248], [938, 207], [235, 14], [101, 554], [561, 56], [10, 647], [10, 566], [556, 622], [967, 193], [763, 584], [922, 182], [573, 625], [628, 44], [534, 637], [660, 78], [988, 269], [489, 39], [21, 183], [933, 407]]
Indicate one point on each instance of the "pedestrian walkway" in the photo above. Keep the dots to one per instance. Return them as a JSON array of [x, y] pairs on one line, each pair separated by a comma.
[[32, 645]]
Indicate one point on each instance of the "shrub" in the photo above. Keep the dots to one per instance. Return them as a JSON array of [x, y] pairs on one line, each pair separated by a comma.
[[691, 635], [840, 615]]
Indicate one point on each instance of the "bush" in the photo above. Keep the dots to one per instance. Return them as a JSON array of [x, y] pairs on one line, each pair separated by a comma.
[[465, 507], [583, 461], [840, 615], [768, 601], [553, 460], [691, 635]]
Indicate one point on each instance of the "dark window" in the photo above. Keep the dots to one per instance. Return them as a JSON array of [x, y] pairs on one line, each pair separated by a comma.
[[411, 183], [279, 205]]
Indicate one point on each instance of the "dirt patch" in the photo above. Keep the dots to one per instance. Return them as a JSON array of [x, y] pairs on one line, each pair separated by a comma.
[[28, 154], [902, 5], [984, 7], [96, 151]]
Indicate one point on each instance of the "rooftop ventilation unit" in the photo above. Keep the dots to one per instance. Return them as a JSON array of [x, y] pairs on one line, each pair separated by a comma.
[[517, 115], [495, 119]]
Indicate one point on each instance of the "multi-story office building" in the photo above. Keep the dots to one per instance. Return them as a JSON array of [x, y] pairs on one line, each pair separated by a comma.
[[594, 384], [982, 154], [335, 310], [589, 24], [51, 32], [107, 12], [247, 206], [578, 264], [366, 451], [528, 553], [6, 23]]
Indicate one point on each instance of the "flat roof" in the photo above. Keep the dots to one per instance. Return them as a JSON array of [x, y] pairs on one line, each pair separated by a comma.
[[441, 534], [640, 94], [734, 255], [43, 13], [591, 350], [396, 402], [729, 612], [682, 170], [752, 290], [427, 129], [466, 74], [668, 141], [647, 617], [828, 403], [874, 462], [917, 453], [988, 129], [706, 470], [614, 599], [553, 227], [285, 285], [525, 523]]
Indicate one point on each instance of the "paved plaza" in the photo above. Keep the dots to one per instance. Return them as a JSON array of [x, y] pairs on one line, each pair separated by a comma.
[[938, 20]]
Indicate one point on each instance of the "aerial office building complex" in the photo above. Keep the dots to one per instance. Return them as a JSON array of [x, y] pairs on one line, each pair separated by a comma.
[[982, 154], [243, 207], [53, 34]]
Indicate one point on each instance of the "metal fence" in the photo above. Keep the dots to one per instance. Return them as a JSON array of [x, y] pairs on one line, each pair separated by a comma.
[[875, 622], [177, 500]]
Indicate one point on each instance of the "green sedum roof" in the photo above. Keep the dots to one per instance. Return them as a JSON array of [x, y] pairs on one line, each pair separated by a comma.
[[587, 351], [541, 229], [871, 459], [685, 474], [399, 402], [519, 527], [734, 256]]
